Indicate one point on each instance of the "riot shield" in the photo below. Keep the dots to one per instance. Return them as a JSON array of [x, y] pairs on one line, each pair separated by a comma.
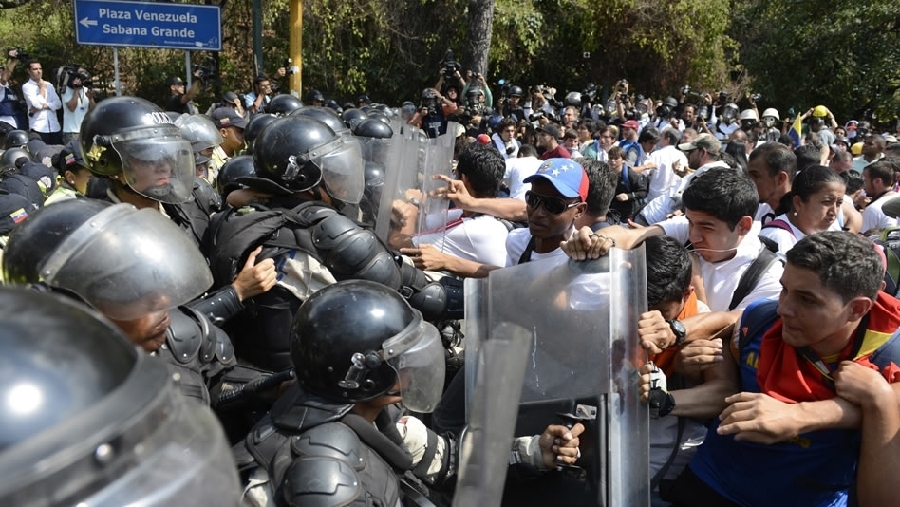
[[376, 156], [408, 203], [581, 319]]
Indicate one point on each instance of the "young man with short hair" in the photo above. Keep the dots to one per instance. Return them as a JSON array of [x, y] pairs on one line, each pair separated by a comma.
[[879, 178], [793, 353]]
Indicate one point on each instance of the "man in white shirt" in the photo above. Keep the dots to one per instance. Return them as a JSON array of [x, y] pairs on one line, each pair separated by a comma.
[[517, 169], [79, 99], [663, 178], [879, 179], [718, 222], [703, 153], [43, 102]]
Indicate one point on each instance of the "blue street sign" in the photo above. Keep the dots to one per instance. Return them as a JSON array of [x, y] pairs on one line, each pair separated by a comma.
[[142, 24]]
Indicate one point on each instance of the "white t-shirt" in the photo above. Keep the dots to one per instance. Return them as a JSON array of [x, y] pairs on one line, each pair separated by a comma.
[[663, 178], [517, 241], [481, 239], [517, 169], [874, 218], [720, 279], [72, 119]]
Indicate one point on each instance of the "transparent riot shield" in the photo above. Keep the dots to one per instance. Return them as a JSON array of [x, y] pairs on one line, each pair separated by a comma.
[[581, 319], [376, 157], [408, 203]]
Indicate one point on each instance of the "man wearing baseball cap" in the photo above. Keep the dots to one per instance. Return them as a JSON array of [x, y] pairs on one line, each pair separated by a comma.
[[548, 138], [557, 197], [231, 125], [179, 100]]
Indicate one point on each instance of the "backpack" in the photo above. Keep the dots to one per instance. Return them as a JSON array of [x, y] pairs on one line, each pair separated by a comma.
[[779, 224], [750, 278], [235, 233]]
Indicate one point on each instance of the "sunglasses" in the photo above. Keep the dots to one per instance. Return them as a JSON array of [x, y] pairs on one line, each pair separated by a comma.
[[553, 205]]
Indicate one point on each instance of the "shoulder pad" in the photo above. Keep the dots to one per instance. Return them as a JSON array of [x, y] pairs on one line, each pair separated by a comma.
[[224, 347], [331, 440], [320, 482], [316, 212], [184, 335]]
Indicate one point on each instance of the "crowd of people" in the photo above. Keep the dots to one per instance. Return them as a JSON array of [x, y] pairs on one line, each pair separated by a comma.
[[178, 283]]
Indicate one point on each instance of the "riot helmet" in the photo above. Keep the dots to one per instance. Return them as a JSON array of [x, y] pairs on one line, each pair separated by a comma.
[[749, 119], [11, 156], [430, 98], [201, 132], [573, 99], [384, 110], [729, 112], [134, 138], [371, 201], [255, 126], [283, 105], [122, 261], [90, 420], [407, 111], [378, 115], [315, 96], [373, 128], [515, 91], [353, 116], [334, 106], [355, 340], [296, 153], [667, 108], [15, 139], [324, 115], [234, 168], [770, 117]]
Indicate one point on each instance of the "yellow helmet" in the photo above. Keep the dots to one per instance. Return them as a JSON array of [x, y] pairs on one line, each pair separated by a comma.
[[856, 149], [820, 111]]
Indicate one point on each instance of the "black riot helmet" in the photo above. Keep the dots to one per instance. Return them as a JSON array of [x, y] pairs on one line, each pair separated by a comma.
[[135, 141], [373, 128], [371, 201], [103, 417], [255, 126], [315, 96], [200, 131], [283, 105], [353, 116], [122, 261], [515, 91], [356, 340], [15, 139], [11, 156], [297, 153], [234, 168], [430, 96], [324, 115]]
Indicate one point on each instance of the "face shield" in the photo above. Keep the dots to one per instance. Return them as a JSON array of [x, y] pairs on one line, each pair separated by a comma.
[[128, 263], [156, 163], [342, 169], [729, 114], [418, 357]]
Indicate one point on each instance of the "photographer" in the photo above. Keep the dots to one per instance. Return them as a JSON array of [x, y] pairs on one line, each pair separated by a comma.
[[261, 95], [78, 98], [433, 113], [179, 100], [540, 102], [10, 112], [43, 102], [477, 81]]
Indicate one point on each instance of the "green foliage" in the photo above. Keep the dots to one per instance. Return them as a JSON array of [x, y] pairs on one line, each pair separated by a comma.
[[800, 55]]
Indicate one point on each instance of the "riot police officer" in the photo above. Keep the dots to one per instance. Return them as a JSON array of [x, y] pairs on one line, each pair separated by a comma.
[[334, 437], [315, 178], [89, 420], [135, 268]]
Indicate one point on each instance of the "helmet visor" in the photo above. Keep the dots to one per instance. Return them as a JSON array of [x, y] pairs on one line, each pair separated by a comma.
[[161, 169], [128, 263], [343, 171], [418, 357]]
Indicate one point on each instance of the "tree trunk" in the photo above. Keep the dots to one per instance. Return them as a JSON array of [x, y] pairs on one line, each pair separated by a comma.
[[481, 21]]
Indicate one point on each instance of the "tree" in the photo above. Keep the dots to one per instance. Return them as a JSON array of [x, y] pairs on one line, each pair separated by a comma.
[[478, 46]]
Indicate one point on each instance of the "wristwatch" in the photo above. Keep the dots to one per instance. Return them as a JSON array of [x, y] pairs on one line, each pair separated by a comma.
[[680, 332]]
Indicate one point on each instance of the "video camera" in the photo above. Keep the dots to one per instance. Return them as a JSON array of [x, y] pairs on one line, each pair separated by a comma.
[[288, 67], [449, 66], [18, 54], [68, 74], [206, 71], [590, 93]]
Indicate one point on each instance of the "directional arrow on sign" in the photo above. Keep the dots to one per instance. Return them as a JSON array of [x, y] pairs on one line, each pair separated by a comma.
[[85, 22]]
